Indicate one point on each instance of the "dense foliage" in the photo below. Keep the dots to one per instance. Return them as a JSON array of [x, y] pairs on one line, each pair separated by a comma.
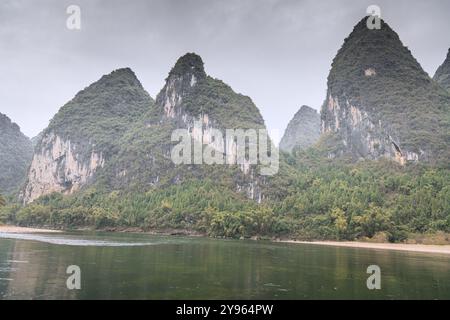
[[325, 200], [335, 199], [16, 152], [103, 112], [189, 63], [219, 101], [442, 75]]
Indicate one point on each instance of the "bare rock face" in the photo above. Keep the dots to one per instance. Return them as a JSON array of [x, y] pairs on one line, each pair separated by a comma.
[[302, 131], [442, 75], [16, 151], [59, 168], [83, 135], [380, 102]]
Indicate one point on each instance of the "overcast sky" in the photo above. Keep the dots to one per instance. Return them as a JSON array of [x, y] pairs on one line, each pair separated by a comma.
[[278, 52]]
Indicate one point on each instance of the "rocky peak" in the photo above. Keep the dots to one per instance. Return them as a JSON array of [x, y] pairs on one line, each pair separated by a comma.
[[195, 102], [7, 124], [109, 103], [125, 76], [186, 73], [306, 110], [83, 135], [381, 103], [119, 80], [8, 127], [368, 55], [188, 65], [442, 75], [302, 131]]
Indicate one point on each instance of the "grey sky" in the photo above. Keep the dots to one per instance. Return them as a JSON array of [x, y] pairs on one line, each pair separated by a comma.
[[278, 52]]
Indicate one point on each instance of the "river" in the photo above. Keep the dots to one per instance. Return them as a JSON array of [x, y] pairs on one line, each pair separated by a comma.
[[141, 266]]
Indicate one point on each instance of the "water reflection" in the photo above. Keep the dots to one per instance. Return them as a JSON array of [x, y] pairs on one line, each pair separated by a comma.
[[191, 268]]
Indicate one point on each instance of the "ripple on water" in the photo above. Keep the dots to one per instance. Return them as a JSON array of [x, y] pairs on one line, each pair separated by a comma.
[[7, 269], [60, 240]]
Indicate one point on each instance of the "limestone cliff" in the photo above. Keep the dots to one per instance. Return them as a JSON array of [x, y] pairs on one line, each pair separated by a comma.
[[83, 135], [302, 131], [193, 101], [57, 167], [380, 102]]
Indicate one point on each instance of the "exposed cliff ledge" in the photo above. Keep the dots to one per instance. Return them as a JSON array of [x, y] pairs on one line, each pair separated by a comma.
[[57, 167], [202, 130], [361, 136]]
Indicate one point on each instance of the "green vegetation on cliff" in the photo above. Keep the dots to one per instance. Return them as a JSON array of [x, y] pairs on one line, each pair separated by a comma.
[[16, 152], [143, 159], [100, 114], [219, 101], [376, 73], [442, 75], [325, 200]]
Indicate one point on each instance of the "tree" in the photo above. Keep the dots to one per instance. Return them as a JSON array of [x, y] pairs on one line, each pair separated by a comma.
[[2, 201], [340, 222], [374, 219]]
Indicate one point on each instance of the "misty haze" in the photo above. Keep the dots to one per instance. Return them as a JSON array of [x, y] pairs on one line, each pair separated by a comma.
[[224, 150]]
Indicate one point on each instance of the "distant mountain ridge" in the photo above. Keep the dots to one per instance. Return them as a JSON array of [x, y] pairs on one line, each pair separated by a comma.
[[302, 131]]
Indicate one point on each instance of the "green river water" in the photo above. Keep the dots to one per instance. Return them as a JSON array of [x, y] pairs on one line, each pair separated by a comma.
[[140, 266]]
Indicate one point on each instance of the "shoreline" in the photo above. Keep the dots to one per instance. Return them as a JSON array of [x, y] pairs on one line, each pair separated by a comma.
[[27, 230], [162, 232], [420, 248]]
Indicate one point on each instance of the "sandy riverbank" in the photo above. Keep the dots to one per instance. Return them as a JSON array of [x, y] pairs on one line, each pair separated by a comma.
[[441, 249], [424, 248], [14, 229]]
